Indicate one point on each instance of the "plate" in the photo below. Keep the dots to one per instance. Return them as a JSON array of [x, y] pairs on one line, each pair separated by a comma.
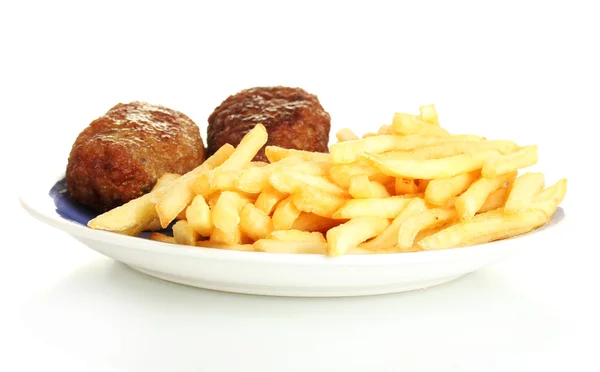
[[301, 275]]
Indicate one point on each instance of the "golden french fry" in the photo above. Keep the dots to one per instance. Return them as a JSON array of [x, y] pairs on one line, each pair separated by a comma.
[[256, 164], [425, 220], [159, 237], [314, 222], [406, 124], [135, 215], [268, 199], [199, 216], [385, 129], [247, 149], [430, 169], [254, 222], [276, 246], [389, 238], [487, 227], [346, 134], [404, 186], [230, 247], [523, 191], [469, 202], [226, 216], [351, 151], [362, 188], [180, 194], [181, 215], [317, 201], [511, 162], [441, 190], [444, 150], [495, 200], [165, 180], [429, 114], [350, 234], [184, 233], [290, 181], [556, 192], [226, 238], [296, 236], [384, 207], [285, 214], [276, 153], [369, 134]]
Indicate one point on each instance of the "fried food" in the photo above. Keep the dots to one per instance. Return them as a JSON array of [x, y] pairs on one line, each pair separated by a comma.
[[293, 118], [408, 188], [121, 155]]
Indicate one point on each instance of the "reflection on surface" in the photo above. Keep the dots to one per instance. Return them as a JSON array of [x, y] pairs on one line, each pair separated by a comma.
[[117, 317]]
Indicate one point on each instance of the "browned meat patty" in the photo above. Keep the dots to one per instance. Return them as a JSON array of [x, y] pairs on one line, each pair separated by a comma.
[[293, 118], [120, 155]]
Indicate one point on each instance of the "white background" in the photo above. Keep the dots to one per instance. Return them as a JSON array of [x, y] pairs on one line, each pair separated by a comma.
[[525, 70]]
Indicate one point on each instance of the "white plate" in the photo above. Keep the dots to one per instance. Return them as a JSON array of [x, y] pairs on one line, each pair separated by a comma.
[[280, 274]]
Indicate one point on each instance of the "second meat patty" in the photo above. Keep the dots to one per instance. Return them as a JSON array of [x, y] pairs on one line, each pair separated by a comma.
[[293, 118]]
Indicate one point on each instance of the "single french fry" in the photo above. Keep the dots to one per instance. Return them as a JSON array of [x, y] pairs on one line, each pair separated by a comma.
[[389, 238], [350, 234], [254, 222], [362, 188], [135, 215], [445, 150], [226, 238], [429, 114], [247, 149], [285, 214], [430, 169], [317, 201], [469, 202], [525, 188], [351, 151], [297, 236], [226, 216], [314, 222], [290, 181], [425, 220], [441, 190], [485, 228], [384, 207], [511, 162], [369, 134], [276, 153], [276, 246], [556, 192], [268, 199], [229, 247], [406, 124], [385, 129], [199, 216], [345, 134], [184, 233], [180, 194], [403, 186], [159, 237]]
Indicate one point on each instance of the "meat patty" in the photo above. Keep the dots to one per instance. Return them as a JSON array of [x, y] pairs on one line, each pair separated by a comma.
[[293, 118], [120, 155]]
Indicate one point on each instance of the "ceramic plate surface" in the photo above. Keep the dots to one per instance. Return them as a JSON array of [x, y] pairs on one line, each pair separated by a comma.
[[269, 273]]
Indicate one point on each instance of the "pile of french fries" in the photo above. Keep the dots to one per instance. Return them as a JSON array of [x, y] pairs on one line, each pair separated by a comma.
[[412, 186]]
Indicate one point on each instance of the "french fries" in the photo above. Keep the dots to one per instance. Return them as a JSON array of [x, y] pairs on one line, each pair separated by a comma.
[[405, 187]]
